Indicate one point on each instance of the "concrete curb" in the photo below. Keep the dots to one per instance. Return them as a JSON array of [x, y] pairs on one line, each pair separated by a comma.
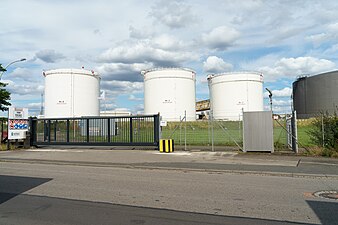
[[131, 166]]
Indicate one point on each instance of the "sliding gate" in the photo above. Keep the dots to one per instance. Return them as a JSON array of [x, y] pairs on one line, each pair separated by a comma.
[[96, 131]]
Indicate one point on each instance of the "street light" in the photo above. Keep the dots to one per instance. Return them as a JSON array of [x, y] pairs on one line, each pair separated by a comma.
[[4, 68], [270, 97]]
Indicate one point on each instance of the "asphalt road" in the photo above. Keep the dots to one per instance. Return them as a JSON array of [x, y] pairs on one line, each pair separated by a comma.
[[32, 210], [73, 193]]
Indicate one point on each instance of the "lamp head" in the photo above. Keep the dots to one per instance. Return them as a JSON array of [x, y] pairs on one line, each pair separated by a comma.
[[270, 92]]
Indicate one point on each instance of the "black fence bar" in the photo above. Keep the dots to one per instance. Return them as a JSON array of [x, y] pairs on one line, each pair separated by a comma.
[[157, 127], [96, 131], [55, 128], [48, 131], [131, 130], [87, 126], [67, 130], [109, 130]]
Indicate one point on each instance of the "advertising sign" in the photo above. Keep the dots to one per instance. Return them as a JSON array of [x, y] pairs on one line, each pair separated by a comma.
[[17, 123]]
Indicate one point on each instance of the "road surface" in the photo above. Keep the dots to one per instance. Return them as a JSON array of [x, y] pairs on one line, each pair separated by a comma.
[[96, 192]]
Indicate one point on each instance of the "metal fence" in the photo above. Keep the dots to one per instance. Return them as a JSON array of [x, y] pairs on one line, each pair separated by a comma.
[[213, 134], [207, 134], [101, 131], [280, 132]]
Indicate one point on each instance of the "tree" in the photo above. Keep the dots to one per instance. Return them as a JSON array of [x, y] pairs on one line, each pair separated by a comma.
[[5, 96], [325, 132], [2, 69]]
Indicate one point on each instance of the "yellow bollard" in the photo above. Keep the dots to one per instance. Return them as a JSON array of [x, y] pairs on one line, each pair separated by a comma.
[[166, 145]]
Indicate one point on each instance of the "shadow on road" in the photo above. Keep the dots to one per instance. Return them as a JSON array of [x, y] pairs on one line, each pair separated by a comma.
[[11, 186], [327, 212], [49, 210]]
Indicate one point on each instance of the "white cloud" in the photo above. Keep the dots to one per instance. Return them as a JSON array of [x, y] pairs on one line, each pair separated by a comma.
[[138, 109], [34, 105], [143, 51], [24, 89], [105, 106], [134, 98], [333, 27], [318, 39], [333, 50], [23, 74], [143, 33], [122, 71], [220, 38], [278, 109], [174, 14], [49, 56], [213, 64], [167, 42], [278, 102], [293, 67], [115, 88], [330, 34], [285, 92]]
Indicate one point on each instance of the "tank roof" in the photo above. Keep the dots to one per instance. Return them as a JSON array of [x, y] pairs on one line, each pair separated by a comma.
[[305, 76], [71, 71], [209, 76], [143, 72]]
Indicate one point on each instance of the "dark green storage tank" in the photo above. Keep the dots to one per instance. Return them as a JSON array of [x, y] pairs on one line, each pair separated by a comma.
[[315, 94]]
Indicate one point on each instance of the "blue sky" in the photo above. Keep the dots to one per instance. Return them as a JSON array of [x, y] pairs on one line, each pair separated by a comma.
[[118, 39]]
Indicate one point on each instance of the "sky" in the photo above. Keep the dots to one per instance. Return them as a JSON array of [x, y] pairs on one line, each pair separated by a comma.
[[282, 39]]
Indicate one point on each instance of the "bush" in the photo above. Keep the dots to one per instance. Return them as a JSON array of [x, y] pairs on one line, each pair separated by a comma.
[[328, 123]]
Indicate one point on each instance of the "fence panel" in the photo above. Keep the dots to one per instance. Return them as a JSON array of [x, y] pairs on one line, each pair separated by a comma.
[[204, 133], [115, 131]]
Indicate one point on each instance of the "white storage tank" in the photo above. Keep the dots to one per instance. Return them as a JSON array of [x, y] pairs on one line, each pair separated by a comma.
[[232, 93], [170, 92], [71, 93]]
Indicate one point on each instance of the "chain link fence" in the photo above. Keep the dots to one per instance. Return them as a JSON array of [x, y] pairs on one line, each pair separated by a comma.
[[208, 134], [281, 132], [211, 134]]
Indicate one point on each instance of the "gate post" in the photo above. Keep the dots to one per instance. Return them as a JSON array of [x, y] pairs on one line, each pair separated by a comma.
[[49, 125], [157, 130], [32, 130], [294, 132]]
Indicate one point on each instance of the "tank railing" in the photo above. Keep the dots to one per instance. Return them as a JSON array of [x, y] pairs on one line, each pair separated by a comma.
[[143, 72], [236, 72]]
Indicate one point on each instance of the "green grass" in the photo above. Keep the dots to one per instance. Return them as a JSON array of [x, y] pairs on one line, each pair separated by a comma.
[[199, 133], [303, 136]]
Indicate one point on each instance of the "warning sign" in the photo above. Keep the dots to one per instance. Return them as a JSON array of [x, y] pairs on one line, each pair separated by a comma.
[[17, 123]]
